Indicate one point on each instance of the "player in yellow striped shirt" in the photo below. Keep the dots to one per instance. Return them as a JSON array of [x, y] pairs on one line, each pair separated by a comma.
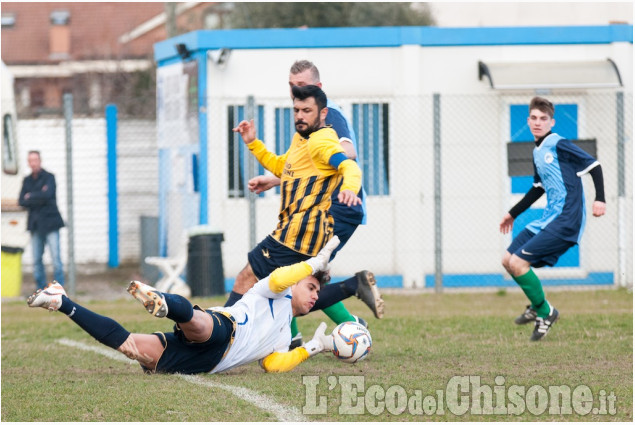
[[309, 171]]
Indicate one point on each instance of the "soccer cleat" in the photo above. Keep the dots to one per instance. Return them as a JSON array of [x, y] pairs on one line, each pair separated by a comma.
[[367, 292], [529, 315], [361, 321], [543, 325], [296, 341], [151, 298], [49, 297]]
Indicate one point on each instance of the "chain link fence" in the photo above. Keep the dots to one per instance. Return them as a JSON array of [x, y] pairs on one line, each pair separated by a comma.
[[436, 172]]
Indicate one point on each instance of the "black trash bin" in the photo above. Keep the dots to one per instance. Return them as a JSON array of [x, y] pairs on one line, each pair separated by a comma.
[[205, 274]]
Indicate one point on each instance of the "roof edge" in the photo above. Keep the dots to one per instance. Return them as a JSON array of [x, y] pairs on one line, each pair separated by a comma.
[[286, 38]]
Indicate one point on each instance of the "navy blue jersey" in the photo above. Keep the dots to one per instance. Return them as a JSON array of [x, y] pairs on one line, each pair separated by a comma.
[[355, 214], [559, 166]]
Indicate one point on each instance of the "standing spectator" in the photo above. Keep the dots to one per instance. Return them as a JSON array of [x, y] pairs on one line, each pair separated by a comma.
[[38, 196]]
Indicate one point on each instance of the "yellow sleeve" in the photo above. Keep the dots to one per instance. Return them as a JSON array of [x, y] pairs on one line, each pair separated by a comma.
[[284, 362], [352, 175], [269, 160], [284, 277], [323, 148]]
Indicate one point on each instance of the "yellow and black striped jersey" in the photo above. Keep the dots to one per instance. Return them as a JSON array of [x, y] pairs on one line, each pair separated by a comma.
[[307, 182]]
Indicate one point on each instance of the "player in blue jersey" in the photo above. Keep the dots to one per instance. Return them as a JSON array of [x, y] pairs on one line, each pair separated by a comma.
[[558, 168], [346, 218]]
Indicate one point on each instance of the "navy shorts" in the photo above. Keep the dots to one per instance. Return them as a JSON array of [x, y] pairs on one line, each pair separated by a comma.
[[539, 249], [344, 231], [270, 254], [186, 357]]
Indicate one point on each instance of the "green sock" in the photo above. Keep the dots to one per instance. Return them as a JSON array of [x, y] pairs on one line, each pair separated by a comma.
[[294, 328], [338, 313], [531, 286]]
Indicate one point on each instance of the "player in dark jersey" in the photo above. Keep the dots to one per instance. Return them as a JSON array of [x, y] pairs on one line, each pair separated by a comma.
[[558, 168]]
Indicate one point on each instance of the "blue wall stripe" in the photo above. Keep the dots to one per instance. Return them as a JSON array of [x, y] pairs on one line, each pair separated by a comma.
[[113, 216], [383, 281], [473, 281], [281, 38], [201, 57]]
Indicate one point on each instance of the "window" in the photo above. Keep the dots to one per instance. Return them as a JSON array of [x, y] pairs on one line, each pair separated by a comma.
[[8, 20], [370, 122], [9, 161], [60, 17], [238, 154]]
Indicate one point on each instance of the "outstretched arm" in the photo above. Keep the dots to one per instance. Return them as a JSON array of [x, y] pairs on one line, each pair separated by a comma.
[[284, 362], [530, 197], [284, 277], [261, 184], [267, 159]]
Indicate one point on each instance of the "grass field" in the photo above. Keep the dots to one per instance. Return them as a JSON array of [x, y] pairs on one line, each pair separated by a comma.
[[425, 346]]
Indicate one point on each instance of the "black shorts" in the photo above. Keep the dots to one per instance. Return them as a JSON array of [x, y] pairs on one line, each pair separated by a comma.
[[186, 357], [270, 254], [344, 231], [539, 249]]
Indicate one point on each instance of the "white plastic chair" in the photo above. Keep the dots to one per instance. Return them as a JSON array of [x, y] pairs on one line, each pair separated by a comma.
[[171, 269]]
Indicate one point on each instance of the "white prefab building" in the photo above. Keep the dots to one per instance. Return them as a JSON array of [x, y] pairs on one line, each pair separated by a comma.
[[436, 113]]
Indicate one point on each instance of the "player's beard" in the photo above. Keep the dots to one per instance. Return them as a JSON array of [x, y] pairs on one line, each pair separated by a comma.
[[310, 128]]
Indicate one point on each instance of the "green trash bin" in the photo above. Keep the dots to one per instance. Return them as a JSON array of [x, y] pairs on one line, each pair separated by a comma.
[[205, 274], [11, 271]]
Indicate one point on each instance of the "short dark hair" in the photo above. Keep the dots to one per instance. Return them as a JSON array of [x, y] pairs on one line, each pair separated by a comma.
[[322, 277], [35, 152], [305, 92], [543, 105], [302, 65]]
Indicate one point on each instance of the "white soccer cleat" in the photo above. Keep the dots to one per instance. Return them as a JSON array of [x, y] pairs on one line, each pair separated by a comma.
[[152, 299], [49, 297]]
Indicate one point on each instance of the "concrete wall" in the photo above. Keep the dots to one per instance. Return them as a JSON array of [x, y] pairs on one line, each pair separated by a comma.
[[137, 182]]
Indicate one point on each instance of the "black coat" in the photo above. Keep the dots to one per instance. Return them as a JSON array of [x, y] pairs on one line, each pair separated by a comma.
[[44, 216]]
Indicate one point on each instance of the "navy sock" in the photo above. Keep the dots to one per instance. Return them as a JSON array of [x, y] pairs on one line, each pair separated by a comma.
[[179, 308], [349, 286], [331, 294], [234, 297], [102, 328]]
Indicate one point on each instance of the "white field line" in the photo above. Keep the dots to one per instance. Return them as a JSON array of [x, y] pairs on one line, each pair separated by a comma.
[[281, 412]]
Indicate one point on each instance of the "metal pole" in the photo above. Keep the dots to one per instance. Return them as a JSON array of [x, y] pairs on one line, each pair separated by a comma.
[[438, 233], [251, 165], [68, 119], [621, 192]]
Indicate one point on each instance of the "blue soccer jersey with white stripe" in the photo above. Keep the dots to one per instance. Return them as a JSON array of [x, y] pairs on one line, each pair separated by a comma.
[[355, 214], [558, 168]]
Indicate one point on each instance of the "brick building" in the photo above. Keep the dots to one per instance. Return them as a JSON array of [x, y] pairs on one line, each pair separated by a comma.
[[100, 52]]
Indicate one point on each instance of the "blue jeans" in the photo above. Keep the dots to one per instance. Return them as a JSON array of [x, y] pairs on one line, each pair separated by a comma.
[[52, 240]]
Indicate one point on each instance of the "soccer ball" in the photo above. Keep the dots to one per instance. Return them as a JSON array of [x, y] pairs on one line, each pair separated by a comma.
[[351, 342]]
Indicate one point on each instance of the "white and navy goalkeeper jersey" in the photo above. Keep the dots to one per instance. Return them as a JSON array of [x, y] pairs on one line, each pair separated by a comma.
[[558, 168], [263, 320]]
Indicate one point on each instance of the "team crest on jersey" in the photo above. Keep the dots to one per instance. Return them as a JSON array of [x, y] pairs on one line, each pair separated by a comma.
[[548, 157], [265, 253]]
